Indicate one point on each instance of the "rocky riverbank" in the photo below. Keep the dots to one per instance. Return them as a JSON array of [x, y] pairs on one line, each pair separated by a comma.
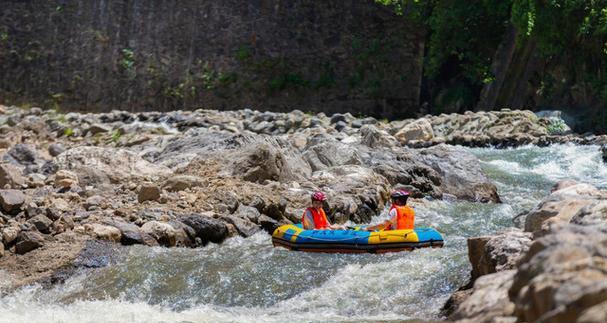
[[553, 270], [187, 179]]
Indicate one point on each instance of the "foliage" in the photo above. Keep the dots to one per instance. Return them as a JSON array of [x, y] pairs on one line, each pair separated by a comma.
[[556, 127]]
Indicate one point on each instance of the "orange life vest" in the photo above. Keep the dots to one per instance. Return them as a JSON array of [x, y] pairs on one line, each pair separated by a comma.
[[405, 217], [319, 217]]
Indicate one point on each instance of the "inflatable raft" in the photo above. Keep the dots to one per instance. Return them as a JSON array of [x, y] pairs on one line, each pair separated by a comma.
[[294, 237]]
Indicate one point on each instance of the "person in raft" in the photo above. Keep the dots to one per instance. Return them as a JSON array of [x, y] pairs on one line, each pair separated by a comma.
[[314, 217], [402, 216]]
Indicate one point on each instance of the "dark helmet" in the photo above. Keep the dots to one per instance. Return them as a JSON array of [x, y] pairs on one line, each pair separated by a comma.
[[319, 196], [399, 194]]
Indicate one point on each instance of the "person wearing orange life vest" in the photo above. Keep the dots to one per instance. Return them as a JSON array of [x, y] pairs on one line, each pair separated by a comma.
[[314, 217], [402, 216]]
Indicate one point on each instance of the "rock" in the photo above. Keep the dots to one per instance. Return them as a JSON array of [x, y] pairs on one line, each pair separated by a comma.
[[488, 299], [375, 138], [65, 179], [94, 201], [148, 192], [182, 182], [419, 129], [604, 153], [164, 233], [10, 234], [184, 235], [23, 155], [461, 173], [1, 250], [60, 205], [331, 153], [56, 149], [248, 212], [42, 223], [591, 214], [339, 126], [103, 232], [267, 224], [261, 158], [497, 253], [594, 314], [245, 227], [28, 241], [563, 274], [206, 228], [11, 201], [130, 233], [97, 128], [96, 165], [10, 175], [338, 118]]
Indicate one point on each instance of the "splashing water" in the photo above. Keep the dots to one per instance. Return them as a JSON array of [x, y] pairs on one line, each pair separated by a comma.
[[247, 280]]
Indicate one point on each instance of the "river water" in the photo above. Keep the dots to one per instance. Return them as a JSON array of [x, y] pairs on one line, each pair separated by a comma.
[[247, 280]]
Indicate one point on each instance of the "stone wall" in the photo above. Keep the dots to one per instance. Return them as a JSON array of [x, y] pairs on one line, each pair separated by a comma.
[[330, 55]]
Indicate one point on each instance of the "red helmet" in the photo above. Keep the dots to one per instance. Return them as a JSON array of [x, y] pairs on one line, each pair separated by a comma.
[[319, 196], [399, 194]]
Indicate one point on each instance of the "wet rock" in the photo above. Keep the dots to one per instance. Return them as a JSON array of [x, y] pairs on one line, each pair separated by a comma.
[[10, 175], [419, 129], [28, 241], [163, 232], [461, 173], [11, 201], [244, 226], [488, 299], [267, 224], [130, 233], [148, 192], [182, 182], [184, 234], [42, 223], [56, 149], [207, 228], [563, 274]]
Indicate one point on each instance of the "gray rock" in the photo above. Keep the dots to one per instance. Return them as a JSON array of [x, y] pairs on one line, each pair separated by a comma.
[[339, 126], [130, 233], [94, 201], [97, 128], [267, 224], [11, 201], [23, 154], [28, 241], [42, 223], [56, 149], [461, 173], [330, 153], [247, 212], [245, 227], [207, 228], [338, 118]]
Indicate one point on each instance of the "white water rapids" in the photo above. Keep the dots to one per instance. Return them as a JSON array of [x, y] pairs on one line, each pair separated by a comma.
[[247, 280]]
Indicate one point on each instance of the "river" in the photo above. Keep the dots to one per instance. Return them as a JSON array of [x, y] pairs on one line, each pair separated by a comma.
[[247, 280]]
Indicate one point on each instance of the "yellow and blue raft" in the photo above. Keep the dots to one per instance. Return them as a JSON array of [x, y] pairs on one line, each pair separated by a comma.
[[294, 237]]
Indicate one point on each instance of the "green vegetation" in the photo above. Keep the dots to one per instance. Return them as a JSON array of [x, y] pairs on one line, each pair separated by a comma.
[[463, 37], [127, 61], [556, 127], [68, 132], [116, 134]]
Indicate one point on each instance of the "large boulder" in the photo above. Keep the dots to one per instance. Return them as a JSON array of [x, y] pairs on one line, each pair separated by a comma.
[[331, 153], [461, 173], [11, 201], [563, 274], [208, 229], [560, 207], [593, 213], [488, 299], [94, 164], [497, 253], [373, 137]]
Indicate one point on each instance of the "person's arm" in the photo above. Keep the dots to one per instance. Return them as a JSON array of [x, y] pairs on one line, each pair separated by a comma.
[[308, 221], [393, 219]]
